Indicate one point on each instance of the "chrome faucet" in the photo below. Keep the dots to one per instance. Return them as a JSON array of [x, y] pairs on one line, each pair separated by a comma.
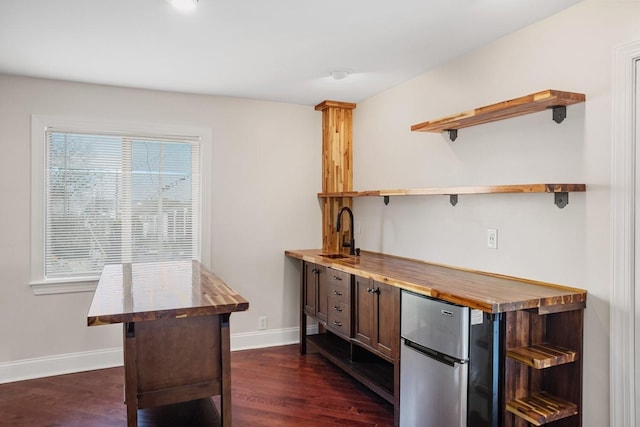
[[352, 243]]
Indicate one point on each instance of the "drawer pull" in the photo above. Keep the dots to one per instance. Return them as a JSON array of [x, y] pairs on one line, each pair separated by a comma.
[[335, 322], [337, 308], [373, 290], [337, 277], [338, 293]]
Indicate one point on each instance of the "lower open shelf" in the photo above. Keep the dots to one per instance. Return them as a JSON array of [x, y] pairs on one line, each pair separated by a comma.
[[367, 368], [541, 408], [541, 356], [195, 413]]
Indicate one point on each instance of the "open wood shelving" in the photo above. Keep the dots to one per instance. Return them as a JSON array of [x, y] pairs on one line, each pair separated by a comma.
[[446, 191], [542, 356], [541, 408], [555, 100], [543, 369], [560, 190]]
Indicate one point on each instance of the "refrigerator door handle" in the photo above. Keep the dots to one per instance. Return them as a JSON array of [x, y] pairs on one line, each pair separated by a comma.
[[442, 358]]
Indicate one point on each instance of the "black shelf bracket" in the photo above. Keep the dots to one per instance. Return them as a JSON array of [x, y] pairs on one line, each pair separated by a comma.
[[561, 199], [559, 113], [453, 134]]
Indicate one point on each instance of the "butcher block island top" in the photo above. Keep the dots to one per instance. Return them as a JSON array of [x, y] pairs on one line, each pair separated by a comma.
[[491, 293], [160, 290]]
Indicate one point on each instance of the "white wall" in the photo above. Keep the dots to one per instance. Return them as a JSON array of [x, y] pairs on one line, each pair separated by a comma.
[[266, 172], [570, 51]]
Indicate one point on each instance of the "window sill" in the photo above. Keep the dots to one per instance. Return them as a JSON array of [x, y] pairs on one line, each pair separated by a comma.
[[63, 286]]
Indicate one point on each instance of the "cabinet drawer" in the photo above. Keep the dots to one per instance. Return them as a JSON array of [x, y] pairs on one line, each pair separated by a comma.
[[339, 316], [340, 292], [338, 277], [339, 285]]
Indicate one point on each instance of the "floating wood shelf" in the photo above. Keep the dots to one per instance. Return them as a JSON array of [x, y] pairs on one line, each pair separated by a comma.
[[518, 188], [561, 191], [541, 408], [541, 356], [553, 99]]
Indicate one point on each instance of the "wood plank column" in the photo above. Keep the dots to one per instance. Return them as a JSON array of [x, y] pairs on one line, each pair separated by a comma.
[[337, 171]]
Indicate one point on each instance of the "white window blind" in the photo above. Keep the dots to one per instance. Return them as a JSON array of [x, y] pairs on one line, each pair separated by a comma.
[[115, 198]]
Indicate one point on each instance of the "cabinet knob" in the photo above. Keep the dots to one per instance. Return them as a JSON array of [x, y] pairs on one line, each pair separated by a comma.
[[338, 293], [373, 290], [337, 277], [315, 271], [335, 322], [337, 308]]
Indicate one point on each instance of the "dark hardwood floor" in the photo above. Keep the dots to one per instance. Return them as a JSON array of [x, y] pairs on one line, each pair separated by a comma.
[[272, 387]]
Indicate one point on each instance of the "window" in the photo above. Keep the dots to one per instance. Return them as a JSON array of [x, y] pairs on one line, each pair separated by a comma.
[[113, 196]]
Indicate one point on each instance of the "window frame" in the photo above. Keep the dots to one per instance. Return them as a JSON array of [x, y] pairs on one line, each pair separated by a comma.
[[39, 124]]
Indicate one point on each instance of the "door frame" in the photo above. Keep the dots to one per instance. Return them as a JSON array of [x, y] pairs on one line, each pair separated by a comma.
[[624, 168]]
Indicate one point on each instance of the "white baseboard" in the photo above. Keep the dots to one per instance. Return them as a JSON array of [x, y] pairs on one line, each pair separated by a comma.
[[60, 364], [268, 338], [48, 366]]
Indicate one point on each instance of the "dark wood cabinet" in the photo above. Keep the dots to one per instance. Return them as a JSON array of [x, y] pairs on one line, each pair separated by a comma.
[[321, 292], [315, 291], [377, 309], [329, 296], [530, 355], [310, 289]]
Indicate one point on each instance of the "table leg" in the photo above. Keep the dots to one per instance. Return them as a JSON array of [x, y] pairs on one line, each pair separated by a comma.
[[130, 374], [225, 356]]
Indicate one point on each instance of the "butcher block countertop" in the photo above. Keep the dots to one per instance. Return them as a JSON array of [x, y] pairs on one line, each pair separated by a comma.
[[159, 290], [491, 293]]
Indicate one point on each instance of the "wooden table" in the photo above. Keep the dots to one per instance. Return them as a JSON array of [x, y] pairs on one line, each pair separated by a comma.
[[176, 332]]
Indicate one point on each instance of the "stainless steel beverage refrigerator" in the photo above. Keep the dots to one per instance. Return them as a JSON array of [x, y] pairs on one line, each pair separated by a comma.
[[450, 368]]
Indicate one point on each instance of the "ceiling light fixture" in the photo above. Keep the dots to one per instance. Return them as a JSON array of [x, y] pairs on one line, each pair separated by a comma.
[[339, 74], [183, 5]]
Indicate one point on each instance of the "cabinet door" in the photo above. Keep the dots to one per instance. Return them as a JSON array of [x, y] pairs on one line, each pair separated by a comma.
[[311, 272], [365, 311], [321, 293], [377, 316], [386, 321]]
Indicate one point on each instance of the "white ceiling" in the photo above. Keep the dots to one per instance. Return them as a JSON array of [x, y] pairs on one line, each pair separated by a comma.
[[279, 50]]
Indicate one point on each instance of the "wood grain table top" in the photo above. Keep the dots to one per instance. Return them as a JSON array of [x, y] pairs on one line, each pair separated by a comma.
[[492, 293], [159, 290]]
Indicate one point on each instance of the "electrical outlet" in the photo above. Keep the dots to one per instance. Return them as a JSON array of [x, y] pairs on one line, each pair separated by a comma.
[[492, 238], [262, 323]]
